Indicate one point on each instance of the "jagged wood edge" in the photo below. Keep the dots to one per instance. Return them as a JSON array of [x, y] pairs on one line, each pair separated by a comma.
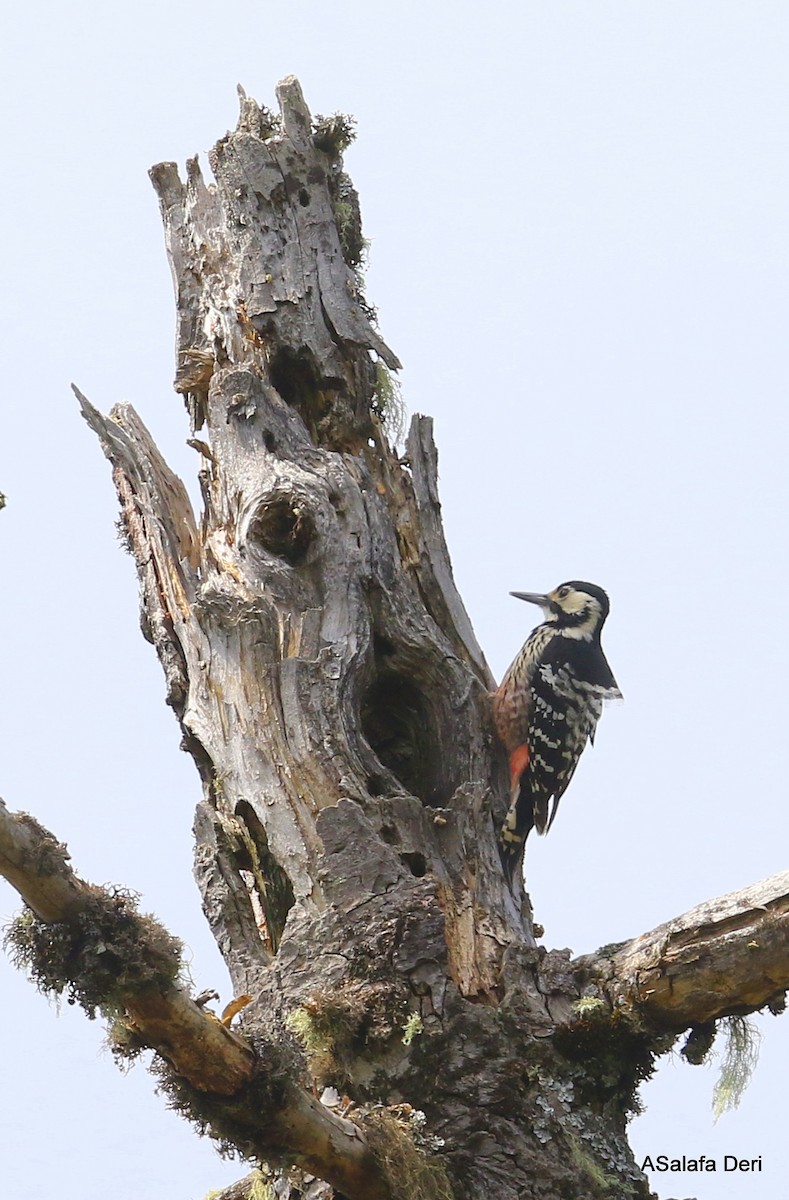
[[729, 955], [162, 532], [434, 569]]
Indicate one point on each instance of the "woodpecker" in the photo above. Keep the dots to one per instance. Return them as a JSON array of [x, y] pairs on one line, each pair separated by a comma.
[[548, 706]]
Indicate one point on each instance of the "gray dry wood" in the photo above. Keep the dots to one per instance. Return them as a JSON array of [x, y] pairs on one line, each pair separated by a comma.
[[335, 701]]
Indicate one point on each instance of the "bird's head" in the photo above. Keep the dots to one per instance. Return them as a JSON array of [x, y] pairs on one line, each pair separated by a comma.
[[577, 609]]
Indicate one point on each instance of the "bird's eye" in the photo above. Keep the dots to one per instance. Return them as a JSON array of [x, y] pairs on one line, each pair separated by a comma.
[[563, 591]]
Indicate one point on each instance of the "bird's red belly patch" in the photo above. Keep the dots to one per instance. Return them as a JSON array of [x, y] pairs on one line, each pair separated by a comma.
[[519, 761]]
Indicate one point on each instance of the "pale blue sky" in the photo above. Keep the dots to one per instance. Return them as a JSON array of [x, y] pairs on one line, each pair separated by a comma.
[[578, 213]]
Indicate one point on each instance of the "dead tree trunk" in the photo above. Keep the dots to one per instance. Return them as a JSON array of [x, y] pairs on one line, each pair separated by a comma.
[[335, 701]]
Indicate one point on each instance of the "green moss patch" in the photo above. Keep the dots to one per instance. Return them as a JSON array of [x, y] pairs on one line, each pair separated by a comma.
[[99, 956]]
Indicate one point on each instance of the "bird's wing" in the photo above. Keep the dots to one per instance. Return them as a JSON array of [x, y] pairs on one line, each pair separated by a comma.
[[586, 697]]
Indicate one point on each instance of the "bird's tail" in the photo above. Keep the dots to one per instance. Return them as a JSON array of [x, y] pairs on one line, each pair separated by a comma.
[[522, 815]]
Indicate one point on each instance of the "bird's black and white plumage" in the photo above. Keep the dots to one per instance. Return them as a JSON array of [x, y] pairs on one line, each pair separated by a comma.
[[548, 706]]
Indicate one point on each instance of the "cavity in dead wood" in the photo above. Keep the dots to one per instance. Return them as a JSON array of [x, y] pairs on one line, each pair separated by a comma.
[[404, 722], [296, 378], [323, 403], [272, 886], [283, 526], [396, 722]]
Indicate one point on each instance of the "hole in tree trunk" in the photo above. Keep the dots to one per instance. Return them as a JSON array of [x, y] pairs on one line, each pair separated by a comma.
[[332, 416], [295, 377], [283, 529], [397, 724], [382, 646], [416, 863], [272, 887]]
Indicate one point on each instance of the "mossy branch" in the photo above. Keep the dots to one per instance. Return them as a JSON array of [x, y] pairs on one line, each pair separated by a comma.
[[92, 944]]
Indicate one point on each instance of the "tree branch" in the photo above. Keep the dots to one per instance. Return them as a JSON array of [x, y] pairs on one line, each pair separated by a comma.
[[199, 1048], [210, 1056], [726, 956], [36, 864]]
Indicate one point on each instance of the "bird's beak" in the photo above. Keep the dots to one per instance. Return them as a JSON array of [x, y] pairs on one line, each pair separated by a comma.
[[532, 598]]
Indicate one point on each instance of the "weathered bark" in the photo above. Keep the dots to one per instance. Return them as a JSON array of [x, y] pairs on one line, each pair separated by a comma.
[[724, 957], [335, 701], [250, 1092]]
